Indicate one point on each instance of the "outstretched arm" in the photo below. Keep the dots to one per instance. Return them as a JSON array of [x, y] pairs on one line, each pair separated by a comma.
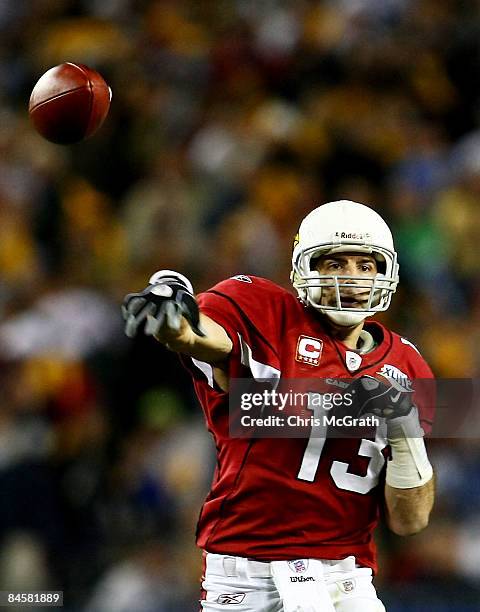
[[214, 347]]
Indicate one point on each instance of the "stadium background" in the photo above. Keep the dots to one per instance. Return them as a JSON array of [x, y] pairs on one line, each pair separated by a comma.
[[230, 120]]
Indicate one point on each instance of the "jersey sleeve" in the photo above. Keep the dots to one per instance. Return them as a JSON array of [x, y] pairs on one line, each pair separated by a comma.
[[251, 312]]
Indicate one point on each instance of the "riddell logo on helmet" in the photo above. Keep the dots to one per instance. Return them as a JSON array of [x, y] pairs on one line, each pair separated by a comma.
[[351, 236]]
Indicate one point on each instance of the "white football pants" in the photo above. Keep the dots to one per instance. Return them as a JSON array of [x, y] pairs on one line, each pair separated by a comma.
[[301, 585]]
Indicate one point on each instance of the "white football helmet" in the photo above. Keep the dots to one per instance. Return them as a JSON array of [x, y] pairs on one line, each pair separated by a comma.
[[344, 226]]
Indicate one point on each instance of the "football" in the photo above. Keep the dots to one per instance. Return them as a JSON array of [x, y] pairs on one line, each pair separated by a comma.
[[69, 103]]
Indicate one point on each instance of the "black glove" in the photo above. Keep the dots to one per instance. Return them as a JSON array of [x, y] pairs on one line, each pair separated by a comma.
[[167, 298], [383, 397]]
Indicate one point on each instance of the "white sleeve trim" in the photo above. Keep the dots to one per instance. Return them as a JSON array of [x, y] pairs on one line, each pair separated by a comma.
[[206, 368], [408, 343], [260, 371]]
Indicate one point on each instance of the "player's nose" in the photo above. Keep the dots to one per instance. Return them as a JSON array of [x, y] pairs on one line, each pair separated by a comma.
[[349, 269]]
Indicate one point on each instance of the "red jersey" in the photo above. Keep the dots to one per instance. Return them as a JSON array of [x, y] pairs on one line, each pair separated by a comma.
[[269, 501]]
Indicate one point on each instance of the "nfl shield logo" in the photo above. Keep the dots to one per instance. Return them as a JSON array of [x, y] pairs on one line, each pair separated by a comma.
[[348, 586], [298, 565], [353, 360]]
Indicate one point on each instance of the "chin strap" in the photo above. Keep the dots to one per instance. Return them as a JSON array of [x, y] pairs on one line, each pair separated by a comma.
[[346, 319]]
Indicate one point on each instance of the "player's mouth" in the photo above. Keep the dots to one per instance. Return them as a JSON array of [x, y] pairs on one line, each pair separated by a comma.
[[353, 301]]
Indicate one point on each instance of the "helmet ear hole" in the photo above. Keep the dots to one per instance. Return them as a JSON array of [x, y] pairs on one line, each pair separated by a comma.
[[381, 264]]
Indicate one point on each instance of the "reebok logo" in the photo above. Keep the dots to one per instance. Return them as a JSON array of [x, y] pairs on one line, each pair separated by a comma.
[[242, 278], [230, 598]]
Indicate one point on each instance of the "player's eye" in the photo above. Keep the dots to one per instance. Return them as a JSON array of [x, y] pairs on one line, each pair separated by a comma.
[[334, 265], [367, 267]]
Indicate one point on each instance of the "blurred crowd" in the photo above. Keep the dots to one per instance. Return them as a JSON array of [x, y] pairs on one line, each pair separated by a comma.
[[230, 120]]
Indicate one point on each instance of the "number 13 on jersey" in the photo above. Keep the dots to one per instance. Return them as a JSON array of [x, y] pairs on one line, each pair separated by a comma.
[[339, 470]]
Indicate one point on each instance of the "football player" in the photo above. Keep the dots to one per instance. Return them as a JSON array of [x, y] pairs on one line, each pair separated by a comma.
[[288, 524]]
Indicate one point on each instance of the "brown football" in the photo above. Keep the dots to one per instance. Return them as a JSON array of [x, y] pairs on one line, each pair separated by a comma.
[[69, 103]]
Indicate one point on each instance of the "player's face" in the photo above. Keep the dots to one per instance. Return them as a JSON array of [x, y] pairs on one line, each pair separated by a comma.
[[362, 267]]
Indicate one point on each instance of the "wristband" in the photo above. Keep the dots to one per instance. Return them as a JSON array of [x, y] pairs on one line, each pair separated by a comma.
[[409, 466]]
